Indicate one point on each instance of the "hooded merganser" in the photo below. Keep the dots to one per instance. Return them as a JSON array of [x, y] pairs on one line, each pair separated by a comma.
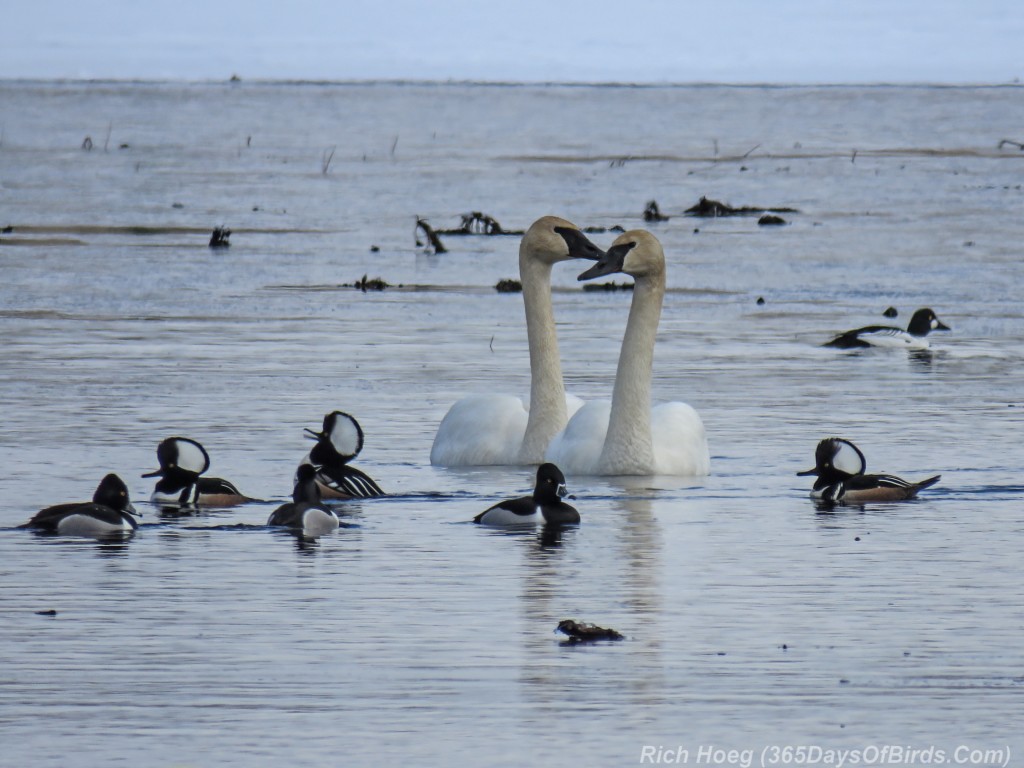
[[182, 461], [340, 441], [840, 466]]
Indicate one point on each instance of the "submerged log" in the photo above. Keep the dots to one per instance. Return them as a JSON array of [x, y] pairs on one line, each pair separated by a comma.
[[430, 235]]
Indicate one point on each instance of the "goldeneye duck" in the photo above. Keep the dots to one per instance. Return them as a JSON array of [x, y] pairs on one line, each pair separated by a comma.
[[305, 513], [109, 513], [840, 467], [340, 441], [921, 324], [182, 461], [544, 505]]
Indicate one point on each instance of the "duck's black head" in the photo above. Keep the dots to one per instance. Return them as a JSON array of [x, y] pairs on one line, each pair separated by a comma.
[[180, 456], [339, 442], [836, 459], [112, 492], [924, 322], [305, 489], [550, 486]]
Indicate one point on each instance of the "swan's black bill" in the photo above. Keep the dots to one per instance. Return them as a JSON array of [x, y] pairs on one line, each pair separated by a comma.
[[613, 261], [580, 246]]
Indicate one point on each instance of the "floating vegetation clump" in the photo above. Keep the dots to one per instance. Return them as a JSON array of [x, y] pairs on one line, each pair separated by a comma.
[[365, 284], [712, 209], [612, 286], [508, 285], [477, 223]]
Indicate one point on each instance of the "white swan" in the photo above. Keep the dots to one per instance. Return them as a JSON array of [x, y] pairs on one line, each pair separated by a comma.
[[490, 429], [627, 436]]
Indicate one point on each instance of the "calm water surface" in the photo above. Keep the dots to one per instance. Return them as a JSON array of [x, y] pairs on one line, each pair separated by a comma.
[[412, 637]]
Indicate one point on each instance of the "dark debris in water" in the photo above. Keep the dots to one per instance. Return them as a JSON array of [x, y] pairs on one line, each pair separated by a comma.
[[581, 632], [431, 235], [653, 213], [477, 223], [50, 612], [770, 219], [612, 286], [508, 285], [220, 237], [712, 209], [365, 284]]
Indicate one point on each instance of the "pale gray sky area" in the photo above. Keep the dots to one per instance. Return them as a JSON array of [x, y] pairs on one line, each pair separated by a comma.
[[734, 41]]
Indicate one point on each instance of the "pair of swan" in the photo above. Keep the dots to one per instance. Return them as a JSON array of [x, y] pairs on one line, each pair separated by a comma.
[[624, 437]]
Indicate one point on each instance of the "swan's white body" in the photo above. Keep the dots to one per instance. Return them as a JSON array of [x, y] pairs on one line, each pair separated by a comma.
[[489, 429], [627, 436]]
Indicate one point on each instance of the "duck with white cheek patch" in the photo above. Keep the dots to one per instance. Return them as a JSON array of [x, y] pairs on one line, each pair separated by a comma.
[[921, 324]]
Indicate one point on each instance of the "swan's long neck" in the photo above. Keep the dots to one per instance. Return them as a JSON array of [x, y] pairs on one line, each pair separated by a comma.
[[628, 448], [547, 392]]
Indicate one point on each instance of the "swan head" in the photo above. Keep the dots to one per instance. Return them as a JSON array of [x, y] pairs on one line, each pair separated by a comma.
[[551, 239], [637, 253]]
